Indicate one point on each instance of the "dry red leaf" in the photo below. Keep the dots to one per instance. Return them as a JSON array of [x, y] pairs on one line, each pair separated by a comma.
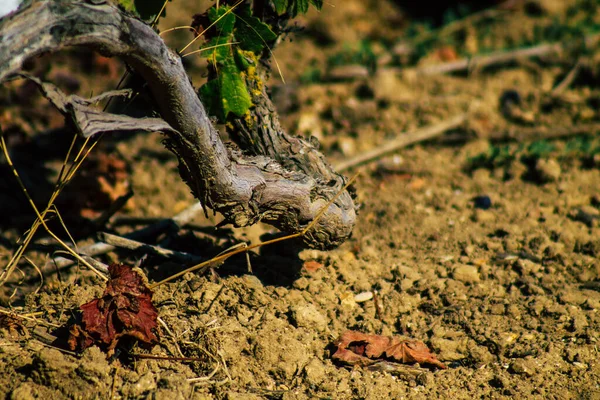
[[356, 348], [124, 310]]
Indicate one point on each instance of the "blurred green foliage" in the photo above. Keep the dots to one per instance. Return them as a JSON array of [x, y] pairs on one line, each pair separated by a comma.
[[584, 148], [360, 53], [312, 74], [580, 20]]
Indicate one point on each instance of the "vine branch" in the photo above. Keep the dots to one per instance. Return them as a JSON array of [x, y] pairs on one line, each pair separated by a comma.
[[244, 188]]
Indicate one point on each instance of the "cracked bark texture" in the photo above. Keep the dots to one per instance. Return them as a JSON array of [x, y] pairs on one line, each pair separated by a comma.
[[284, 182], [262, 134]]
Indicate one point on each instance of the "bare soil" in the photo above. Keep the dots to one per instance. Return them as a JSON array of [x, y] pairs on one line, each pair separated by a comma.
[[508, 296]]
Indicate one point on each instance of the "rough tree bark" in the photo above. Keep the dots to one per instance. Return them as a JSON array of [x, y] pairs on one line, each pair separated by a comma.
[[284, 181]]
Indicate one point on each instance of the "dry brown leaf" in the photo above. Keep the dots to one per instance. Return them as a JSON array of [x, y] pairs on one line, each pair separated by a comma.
[[101, 180], [13, 325], [124, 310], [356, 348], [312, 266]]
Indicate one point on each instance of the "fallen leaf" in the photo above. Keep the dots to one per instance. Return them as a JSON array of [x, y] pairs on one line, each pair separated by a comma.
[[446, 54], [124, 310], [13, 325], [312, 266], [356, 348], [110, 67], [100, 181]]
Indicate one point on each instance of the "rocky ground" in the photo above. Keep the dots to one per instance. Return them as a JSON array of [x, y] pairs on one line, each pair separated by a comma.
[[483, 243]]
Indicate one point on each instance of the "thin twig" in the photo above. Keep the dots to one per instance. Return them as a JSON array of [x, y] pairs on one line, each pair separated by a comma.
[[41, 220], [503, 57], [166, 358], [97, 264], [177, 222], [168, 330], [458, 24], [568, 80], [38, 270], [113, 208], [482, 61], [28, 318], [205, 378], [121, 242], [403, 140], [544, 132], [113, 386]]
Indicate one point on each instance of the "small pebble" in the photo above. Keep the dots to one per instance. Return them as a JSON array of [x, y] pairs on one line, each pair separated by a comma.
[[446, 258], [484, 216], [362, 297], [417, 184], [315, 372], [301, 283], [506, 258], [346, 145], [580, 365], [469, 250], [307, 316], [347, 300], [483, 202], [525, 367]]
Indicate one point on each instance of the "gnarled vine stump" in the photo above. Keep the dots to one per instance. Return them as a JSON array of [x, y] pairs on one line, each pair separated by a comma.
[[284, 182]]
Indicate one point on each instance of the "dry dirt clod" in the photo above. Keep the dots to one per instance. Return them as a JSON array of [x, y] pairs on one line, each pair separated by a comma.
[[307, 316], [466, 274], [523, 366], [315, 372], [548, 170], [588, 215]]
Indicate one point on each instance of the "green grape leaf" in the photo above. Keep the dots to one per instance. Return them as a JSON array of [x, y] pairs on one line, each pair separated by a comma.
[[127, 5], [318, 4], [227, 93], [210, 94], [280, 6], [243, 61], [148, 9], [299, 7], [235, 96], [227, 19], [218, 49], [251, 33]]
